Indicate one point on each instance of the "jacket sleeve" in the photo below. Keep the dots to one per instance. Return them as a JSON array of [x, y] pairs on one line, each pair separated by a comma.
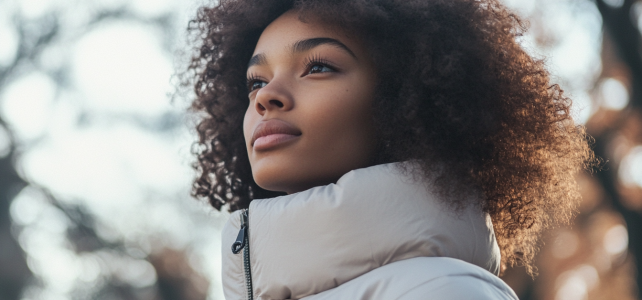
[[458, 287], [422, 278]]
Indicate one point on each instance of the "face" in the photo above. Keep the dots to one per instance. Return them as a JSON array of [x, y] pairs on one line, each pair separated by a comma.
[[309, 119]]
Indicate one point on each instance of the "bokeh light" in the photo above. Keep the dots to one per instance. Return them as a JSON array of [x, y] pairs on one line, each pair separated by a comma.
[[630, 171], [614, 95]]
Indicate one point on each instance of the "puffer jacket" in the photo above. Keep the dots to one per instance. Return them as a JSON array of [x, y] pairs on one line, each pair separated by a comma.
[[375, 234]]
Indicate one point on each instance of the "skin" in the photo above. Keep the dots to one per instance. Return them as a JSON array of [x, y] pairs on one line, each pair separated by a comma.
[[329, 102]]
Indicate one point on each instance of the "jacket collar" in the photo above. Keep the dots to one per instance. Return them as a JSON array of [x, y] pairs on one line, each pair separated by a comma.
[[315, 240]]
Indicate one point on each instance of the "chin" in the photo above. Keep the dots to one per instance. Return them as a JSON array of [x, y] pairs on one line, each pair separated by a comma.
[[273, 175], [284, 185], [285, 177]]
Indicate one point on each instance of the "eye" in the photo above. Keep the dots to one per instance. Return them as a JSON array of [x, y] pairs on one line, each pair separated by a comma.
[[257, 85], [319, 68], [254, 83], [317, 64]]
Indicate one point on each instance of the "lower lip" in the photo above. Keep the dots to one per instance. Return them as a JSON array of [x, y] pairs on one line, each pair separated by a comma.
[[272, 140]]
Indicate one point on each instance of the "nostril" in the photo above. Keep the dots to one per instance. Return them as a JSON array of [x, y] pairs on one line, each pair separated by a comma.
[[277, 103], [261, 107]]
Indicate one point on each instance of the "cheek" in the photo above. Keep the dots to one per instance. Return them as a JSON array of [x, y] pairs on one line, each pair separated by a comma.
[[352, 104], [249, 121], [346, 113]]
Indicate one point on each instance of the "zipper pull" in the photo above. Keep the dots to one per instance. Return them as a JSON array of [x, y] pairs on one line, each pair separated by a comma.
[[239, 244]]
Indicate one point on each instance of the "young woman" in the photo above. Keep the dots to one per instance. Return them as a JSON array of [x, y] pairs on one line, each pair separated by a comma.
[[399, 149]]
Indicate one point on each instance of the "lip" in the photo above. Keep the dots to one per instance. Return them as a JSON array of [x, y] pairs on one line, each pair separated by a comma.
[[273, 132]]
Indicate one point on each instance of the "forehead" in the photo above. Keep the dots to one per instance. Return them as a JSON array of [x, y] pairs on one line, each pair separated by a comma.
[[287, 29]]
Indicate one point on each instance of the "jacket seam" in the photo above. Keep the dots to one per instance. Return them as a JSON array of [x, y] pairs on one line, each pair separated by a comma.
[[470, 221]]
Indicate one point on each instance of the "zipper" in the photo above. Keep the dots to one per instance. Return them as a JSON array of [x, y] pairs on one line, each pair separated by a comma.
[[243, 243]]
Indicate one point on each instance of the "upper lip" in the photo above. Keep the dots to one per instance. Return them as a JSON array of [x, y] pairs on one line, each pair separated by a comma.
[[274, 126]]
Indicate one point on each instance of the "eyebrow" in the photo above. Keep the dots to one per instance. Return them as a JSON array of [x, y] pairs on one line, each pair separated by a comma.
[[258, 59], [305, 45], [302, 46]]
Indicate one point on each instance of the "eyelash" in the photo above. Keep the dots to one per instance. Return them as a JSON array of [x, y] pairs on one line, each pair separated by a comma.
[[251, 80], [317, 60], [310, 62]]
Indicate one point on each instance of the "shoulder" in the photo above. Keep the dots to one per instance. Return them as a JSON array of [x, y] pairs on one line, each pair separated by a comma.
[[459, 287], [437, 278]]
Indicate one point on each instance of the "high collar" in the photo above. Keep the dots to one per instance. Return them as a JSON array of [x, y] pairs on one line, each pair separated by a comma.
[[315, 240]]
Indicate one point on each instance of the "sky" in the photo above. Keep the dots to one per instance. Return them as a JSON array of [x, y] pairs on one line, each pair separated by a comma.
[[107, 136]]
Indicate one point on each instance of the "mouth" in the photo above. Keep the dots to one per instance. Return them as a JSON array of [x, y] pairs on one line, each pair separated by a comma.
[[272, 133]]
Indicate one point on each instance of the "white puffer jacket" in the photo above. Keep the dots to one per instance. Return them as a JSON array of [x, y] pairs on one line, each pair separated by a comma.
[[375, 234]]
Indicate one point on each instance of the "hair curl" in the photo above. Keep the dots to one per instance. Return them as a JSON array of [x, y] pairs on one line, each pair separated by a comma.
[[454, 87]]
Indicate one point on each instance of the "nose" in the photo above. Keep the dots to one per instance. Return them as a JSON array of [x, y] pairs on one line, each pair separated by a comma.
[[272, 97]]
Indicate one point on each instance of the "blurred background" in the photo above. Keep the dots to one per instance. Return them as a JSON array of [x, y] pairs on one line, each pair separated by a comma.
[[95, 152]]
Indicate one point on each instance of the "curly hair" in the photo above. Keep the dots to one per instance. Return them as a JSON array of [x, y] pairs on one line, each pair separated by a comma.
[[455, 87]]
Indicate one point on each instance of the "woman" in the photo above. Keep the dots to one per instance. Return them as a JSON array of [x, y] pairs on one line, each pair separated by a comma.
[[400, 149]]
